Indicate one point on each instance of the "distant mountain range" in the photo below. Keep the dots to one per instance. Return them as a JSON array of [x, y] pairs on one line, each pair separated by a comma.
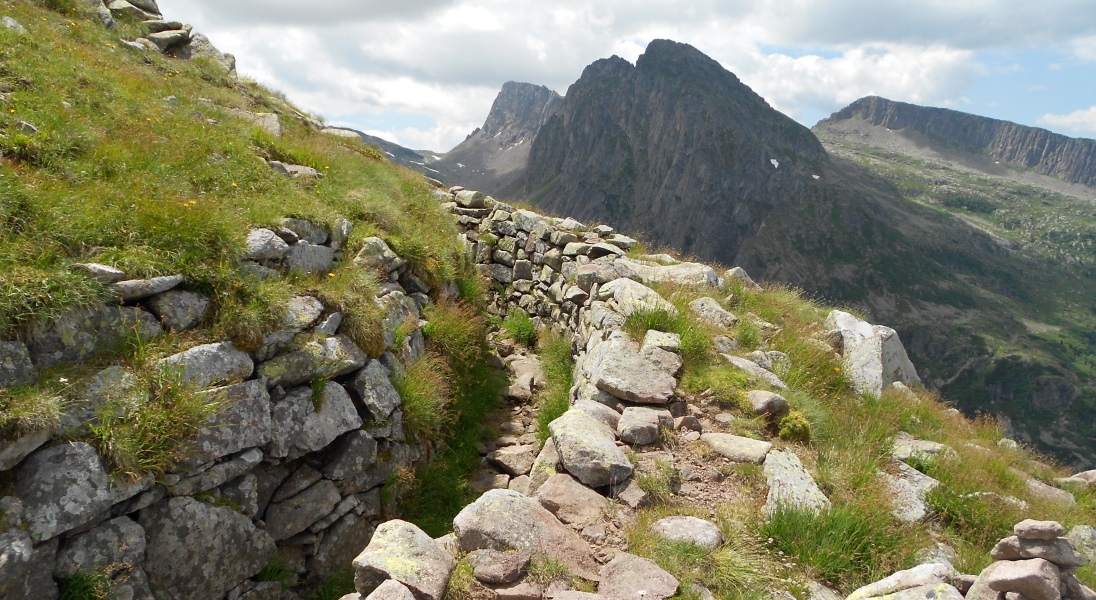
[[973, 237]]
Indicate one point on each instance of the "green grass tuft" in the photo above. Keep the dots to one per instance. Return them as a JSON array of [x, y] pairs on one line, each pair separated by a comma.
[[424, 390], [521, 328], [555, 398]]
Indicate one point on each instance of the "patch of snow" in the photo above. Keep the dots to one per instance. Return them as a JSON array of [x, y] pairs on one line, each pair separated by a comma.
[[816, 176], [776, 163], [390, 154]]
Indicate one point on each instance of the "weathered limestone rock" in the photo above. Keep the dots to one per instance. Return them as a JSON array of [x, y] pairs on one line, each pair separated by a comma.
[[642, 426], [633, 297], [709, 311], [507, 520], [790, 485], [136, 289], [754, 370], [114, 390], [618, 367], [689, 529], [62, 488], [195, 550], [218, 474], [1036, 579], [290, 517], [320, 358], [374, 389], [908, 489], [588, 449], [496, 568], [13, 451], [310, 258], [264, 244], [907, 446], [200, 47], [14, 25], [168, 39], [179, 310], [243, 420], [737, 448], [354, 453], [769, 404], [628, 576], [470, 199], [874, 357], [570, 501], [398, 309], [204, 365], [101, 273], [401, 551], [298, 428], [16, 367], [514, 460], [930, 574], [1058, 551], [1030, 529]]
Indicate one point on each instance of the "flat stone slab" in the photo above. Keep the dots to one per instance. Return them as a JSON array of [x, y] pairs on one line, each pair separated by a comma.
[[243, 420], [907, 490], [633, 297], [290, 517], [790, 485], [588, 450], [1036, 579], [620, 368], [642, 426], [689, 530], [207, 364], [906, 446], [320, 358], [1058, 551], [930, 574], [62, 488], [738, 448], [630, 577], [401, 551], [570, 501], [756, 371], [1030, 529]]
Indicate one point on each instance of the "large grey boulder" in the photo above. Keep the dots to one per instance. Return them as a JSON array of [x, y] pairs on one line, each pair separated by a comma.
[[874, 356], [738, 448], [588, 450], [62, 488], [195, 550], [241, 421], [1058, 551], [632, 297], [341, 543], [319, 358], [570, 501], [908, 489], [790, 485], [642, 426], [930, 574], [26, 571], [1030, 529], [398, 308], [709, 311], [207, 364], [507, 520], [403, 552], [310, 258], [116, 545], [906, 446], [82, 332], [374, 389], [298, 427], [14, 25], [136, 289], [264, 244], [630, 577], [290, 517], [1036, 579], [376, 254], [648, 272], [179, 310], [16, 367], [768, 404], [620, 368], [690, 530]]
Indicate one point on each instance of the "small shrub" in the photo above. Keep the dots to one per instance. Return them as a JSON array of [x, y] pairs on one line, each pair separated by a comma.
[[521, 328], [424, 390], [795, 428]]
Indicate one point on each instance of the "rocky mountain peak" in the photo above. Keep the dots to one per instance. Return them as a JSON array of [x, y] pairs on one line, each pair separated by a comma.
[[520, 108]]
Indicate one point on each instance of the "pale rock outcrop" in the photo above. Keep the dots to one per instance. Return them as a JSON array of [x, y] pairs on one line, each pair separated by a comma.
[[689, 529], [619, 367], [298, 427], [648, 272], [402, 552], [709, 311], [210, 363], [632, 297], [874, 357], [319, 358], [931, 574], [642, 426], [629, 577], [588, 450], [737, 448], [62, 488], [790, 485], [908, 489]]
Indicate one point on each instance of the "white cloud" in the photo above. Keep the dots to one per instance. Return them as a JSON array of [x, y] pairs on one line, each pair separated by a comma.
[[377, 63], [1080, 121]]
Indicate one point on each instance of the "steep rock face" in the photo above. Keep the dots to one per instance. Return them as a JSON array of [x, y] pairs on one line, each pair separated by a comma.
[[493, 156], [1048, 153], [675, 146]]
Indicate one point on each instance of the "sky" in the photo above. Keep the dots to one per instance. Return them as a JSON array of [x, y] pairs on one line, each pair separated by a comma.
[[423, 73]]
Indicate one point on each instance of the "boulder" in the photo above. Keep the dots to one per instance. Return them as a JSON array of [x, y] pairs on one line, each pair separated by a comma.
[[264, 244], [1083, 538], [1036, 579], [669, 342], [62, 488], [136, 289], [355, 452], [244, 492], [756, 371], [907, 489], [642, 426], [628, 577], [319, 358], [204, 365], [375, 391], [305, 230], [1058, 551], [112, 390], [200, 47], [607, 416], [26, 571], [341, 543], [298, 427], [709, 311], [906, 446], [310, 258], [101, 273], [290, 517], [241, 421], [514, 460], [300, 312], [375, 254], [179, 310], [930, 574], [768, 404], [218, 474], [632, 297], [588, 449], [294, 172], [14, 450], [790, 485], [737, 448], [1030, 529], [82, 332], [403, 552], [398, 309], [12, 24], [619, 367], [116, 546], [874, 356], [546, 465], [496, 568], [570, 501], [470, 199], [195, 550], [168, 39], [649, 272], [16, 367], [507, 520], [739, 275], [689, 530]]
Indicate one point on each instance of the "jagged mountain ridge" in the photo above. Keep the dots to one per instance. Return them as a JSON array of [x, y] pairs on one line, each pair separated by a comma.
[[493, 156], [1071, 159]]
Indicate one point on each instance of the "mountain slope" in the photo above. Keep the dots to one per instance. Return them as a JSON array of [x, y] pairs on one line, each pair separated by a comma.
[[493, 156]]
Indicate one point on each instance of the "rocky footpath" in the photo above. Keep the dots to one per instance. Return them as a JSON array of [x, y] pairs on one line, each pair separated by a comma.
[[283, 469]]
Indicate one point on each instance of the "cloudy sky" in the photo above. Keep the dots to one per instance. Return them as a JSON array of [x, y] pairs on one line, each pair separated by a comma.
[[423, 73]]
